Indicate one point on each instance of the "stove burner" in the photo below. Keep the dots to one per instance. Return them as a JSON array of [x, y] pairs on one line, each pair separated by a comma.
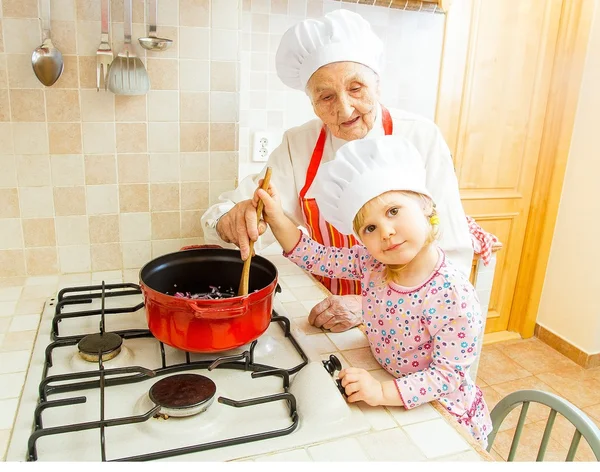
[[92, 345], [183, 394]]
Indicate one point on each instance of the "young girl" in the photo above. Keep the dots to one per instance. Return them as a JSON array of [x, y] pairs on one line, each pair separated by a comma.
[[422, 315]]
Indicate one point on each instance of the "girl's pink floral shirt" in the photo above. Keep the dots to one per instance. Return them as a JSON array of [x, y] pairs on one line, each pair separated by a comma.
[[425, 336]]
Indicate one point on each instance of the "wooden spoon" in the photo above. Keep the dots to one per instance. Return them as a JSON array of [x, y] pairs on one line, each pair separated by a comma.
[[243, 288]]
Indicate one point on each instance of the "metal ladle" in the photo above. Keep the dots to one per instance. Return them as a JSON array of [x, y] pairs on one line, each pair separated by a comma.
[[152, 42], [46, 60]]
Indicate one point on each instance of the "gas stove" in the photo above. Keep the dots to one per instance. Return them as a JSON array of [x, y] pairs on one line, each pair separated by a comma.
[[100, 387]]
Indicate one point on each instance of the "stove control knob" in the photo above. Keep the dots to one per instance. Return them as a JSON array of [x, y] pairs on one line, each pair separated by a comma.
[[341, 388], [332, 364]]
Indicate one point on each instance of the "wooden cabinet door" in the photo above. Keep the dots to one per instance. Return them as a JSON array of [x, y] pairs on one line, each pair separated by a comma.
[[494, 87]]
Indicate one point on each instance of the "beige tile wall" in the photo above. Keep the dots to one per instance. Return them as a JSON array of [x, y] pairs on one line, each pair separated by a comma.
[[413, 47], [94, 181]]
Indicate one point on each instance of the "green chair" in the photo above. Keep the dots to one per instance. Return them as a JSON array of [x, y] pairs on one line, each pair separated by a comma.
[[584, 426]]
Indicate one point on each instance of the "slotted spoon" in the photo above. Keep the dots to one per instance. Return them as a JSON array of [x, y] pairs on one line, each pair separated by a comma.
[[127, 74]]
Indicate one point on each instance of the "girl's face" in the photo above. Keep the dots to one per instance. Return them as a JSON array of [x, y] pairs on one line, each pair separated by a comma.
[[396, 227]]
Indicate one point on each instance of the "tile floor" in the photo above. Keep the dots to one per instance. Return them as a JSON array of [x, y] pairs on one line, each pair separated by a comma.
[[531, 364]]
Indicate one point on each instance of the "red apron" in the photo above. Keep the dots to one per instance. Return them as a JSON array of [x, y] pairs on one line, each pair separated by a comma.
[[319, 229]]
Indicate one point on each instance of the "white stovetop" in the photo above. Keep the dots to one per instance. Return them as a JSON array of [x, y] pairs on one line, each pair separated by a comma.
[[369, 433], [323, 414]]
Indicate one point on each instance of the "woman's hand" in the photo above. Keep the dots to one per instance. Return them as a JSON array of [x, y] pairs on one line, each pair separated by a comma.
[[337, 313], [360, 385], [239, 226]]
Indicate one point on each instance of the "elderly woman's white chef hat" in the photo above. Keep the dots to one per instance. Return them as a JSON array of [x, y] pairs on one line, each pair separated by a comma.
[[362, 170], [339, 36]]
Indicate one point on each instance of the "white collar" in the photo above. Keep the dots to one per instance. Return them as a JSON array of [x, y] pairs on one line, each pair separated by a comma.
[[376, 131]]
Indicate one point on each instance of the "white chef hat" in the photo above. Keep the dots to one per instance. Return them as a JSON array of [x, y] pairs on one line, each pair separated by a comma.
[[362, 170], [339, 36]]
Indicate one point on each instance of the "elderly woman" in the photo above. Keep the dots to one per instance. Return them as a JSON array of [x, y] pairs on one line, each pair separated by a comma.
[[336, 60]]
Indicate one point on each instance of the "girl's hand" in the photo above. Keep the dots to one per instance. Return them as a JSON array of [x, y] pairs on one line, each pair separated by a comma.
[[360, 385], [286, 232], [272, 210]]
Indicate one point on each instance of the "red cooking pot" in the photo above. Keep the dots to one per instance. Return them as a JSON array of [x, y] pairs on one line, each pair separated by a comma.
[[207, 325]]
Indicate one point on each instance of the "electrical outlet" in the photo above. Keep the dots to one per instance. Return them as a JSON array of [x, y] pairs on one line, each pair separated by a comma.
[[263, 145]]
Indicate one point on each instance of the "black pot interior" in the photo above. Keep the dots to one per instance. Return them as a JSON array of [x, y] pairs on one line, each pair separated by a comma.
[[195, 270]]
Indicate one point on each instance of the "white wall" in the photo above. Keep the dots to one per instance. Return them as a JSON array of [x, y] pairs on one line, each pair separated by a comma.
[[413, 47], [570, 304]]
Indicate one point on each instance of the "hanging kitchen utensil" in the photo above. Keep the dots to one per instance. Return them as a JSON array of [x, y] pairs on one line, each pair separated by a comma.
[[46, 60], [152, 42], [127, 75], [104, 55], [243, 288]]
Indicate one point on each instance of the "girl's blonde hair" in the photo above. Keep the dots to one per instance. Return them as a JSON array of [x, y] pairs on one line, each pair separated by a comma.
[[392, 274]]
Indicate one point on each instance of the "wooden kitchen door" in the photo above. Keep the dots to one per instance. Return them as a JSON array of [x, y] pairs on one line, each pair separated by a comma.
[[498, 86]]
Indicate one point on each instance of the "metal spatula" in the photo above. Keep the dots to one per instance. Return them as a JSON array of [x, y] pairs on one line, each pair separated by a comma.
[[127, 74]]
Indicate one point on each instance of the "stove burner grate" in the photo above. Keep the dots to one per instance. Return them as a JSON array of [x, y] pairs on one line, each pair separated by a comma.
[[104, 379]]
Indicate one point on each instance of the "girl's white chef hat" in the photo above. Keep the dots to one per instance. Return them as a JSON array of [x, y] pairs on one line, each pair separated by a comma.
[[339, 36], [362, 170]]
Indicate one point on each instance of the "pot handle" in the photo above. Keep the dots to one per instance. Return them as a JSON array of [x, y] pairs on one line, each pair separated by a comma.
[[213, 313], [201, 246]]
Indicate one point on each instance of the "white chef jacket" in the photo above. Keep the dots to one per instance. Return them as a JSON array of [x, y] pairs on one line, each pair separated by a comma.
[[290, 164]]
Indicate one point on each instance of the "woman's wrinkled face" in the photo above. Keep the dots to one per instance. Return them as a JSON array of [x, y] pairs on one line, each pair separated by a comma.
[[344, 96]]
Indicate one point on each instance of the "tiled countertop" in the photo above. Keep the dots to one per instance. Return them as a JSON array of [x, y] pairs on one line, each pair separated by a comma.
[[425, 433]]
